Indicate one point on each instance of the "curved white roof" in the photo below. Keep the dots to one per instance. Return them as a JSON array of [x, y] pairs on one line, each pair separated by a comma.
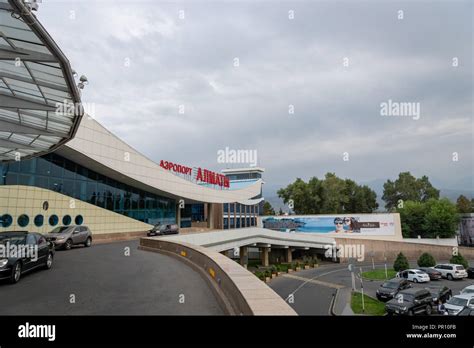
[[97, 148], [34, 77]]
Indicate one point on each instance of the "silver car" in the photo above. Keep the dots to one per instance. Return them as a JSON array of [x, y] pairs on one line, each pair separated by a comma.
[[64, 237]]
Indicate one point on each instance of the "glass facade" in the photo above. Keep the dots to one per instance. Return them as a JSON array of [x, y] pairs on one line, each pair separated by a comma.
[[197, 212], [244, 176], [59, 174]]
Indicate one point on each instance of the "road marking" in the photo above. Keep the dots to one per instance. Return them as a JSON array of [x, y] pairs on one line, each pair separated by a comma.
[[314, 281], [307, 280]]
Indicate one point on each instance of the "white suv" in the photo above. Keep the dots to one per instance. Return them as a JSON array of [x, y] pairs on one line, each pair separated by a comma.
[[451, 271]]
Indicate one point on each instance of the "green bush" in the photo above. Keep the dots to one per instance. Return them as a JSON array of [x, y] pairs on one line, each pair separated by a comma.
[[260, 275], [426, 260], [401, 263], [460, 260]]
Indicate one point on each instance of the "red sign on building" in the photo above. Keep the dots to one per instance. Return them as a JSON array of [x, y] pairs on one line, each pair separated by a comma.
[[202, 175]]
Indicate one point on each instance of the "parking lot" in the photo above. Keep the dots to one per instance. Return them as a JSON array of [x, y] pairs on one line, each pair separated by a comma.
[[371, 286], [103, 280], [312, 291]]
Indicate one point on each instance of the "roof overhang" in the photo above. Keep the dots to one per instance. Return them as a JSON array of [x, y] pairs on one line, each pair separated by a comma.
[[40, 105]]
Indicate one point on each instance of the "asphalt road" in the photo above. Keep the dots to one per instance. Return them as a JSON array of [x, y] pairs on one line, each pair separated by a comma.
[[105, 281], [308, 298], [315, 299]]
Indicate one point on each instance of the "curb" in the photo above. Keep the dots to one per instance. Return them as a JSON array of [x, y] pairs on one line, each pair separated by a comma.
[[333, 302]]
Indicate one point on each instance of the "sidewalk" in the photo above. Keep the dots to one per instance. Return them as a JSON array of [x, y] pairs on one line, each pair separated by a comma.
[[342, 302]]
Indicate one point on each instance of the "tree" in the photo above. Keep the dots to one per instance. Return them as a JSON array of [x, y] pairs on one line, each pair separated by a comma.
[[459, 260], [441, 219], [401, 263], [361, 199], [412, 217], [268, 209], [299, 193], [408, 188], [331, 195], [464, 205], [426, 260], [431, 219]]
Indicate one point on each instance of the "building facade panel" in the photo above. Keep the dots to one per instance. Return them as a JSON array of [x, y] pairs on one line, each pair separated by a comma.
[[41, 210]]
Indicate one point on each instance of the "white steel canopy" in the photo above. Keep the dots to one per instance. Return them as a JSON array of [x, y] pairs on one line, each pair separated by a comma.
[[40, 106]]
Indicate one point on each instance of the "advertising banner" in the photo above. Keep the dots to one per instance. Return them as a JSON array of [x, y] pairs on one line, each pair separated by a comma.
[[370, 224]]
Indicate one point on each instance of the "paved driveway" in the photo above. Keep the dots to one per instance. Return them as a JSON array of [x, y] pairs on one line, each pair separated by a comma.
[[105, 281]]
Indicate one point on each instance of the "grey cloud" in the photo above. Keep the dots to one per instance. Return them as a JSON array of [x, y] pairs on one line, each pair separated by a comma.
[[282, 62]]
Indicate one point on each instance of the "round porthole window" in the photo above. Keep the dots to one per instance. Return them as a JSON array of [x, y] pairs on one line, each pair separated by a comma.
[[39, 220], [6, 220], [66, 220], [23, 220], [53, 220], [79, 220]]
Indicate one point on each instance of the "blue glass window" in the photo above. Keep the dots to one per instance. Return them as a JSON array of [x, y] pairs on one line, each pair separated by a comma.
[[39, 220], [53, 220], [23, 220], [79, 220], [6, 220], [54, 172], [67, 220]]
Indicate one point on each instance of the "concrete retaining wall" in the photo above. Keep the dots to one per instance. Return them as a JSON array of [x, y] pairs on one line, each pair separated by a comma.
[[411, 250], [238, 291]]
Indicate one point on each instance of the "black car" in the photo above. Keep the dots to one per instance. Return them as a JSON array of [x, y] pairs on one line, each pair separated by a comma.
[[434, 274], [440, 293], [410, 302], [391, 287], [470, 272], [161, 230], [32, 249]]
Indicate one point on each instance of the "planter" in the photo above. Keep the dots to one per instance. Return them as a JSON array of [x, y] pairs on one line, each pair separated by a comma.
[[298, 269], [279, 273], [306, 266], [267, 279], [290, 270], [274, 275]]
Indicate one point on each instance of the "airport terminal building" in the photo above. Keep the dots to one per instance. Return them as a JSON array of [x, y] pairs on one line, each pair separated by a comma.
[[60, 166]]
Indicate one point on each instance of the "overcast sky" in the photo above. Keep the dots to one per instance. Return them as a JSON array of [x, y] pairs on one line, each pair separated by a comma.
[[143, 61]]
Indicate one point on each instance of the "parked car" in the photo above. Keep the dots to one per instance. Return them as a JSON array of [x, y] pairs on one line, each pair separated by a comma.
[[410, 302], [468, 290], [432, 273], [390, 288], [440, 293], [470, 272], [451, 271], [414, 275], [13, 267], [458, 302], [66, 236], [467, 312], [163, 229]]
